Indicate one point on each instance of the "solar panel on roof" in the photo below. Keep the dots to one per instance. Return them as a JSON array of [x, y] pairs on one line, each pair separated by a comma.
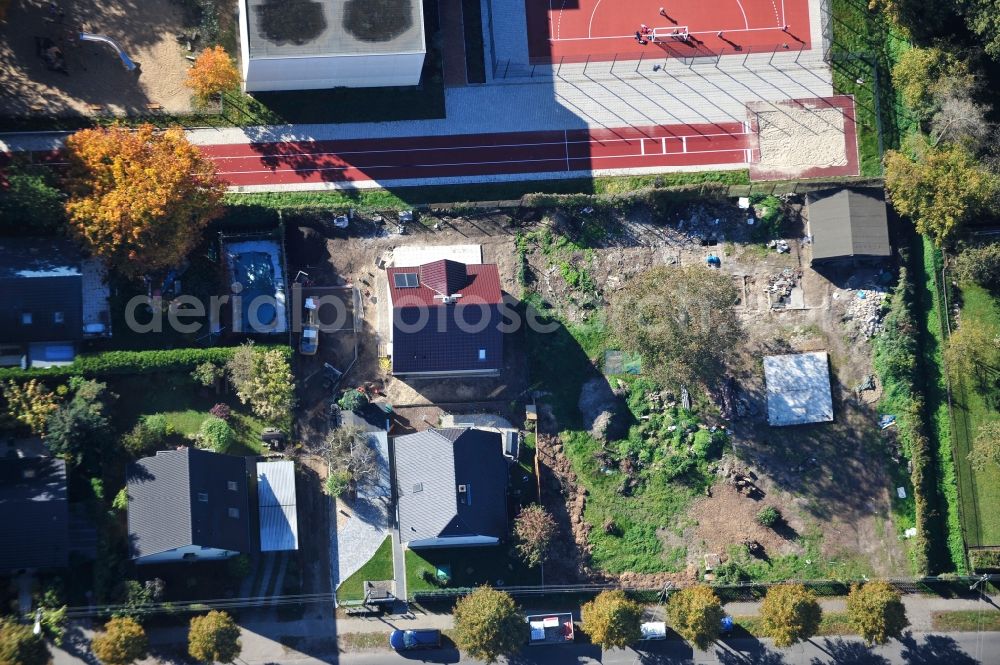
[[405, 280]]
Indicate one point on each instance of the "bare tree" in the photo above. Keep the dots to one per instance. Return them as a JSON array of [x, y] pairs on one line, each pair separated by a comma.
[[348, 449], [959, 119]]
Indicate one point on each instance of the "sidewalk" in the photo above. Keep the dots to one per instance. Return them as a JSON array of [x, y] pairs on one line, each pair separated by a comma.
[[267, 641]]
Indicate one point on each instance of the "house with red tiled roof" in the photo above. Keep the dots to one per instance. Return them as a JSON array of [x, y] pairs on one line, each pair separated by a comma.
[[446, 320]]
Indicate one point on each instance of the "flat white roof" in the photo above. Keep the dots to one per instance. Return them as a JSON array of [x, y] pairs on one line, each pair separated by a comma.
[[407, 256], [279, 529], [334, 27], [798, 388]]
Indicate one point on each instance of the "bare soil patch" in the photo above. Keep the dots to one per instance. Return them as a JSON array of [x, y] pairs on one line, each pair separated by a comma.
[[95, 80]]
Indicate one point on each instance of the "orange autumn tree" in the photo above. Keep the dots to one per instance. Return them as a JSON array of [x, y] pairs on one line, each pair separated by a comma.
[[139, 198], [213, 72]]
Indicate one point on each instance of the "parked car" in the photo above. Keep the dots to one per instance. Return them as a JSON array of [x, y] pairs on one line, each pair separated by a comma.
[[406, 640], [654, 630]]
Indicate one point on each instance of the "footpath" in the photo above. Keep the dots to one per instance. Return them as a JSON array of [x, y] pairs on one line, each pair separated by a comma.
[[269, 640]]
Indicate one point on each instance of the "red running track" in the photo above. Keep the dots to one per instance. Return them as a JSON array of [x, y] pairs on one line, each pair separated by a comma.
[[481, 154]]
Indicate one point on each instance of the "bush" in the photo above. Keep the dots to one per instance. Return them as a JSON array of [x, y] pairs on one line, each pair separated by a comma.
[[352, 400], [20, 646], [771, 219], [111, 363], [984, 560], [215, 433], [221, 411], [149, 434], [768, 516], [337, 482], [208, 373]]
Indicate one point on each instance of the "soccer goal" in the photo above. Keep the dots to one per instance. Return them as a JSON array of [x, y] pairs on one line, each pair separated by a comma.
[[677, 33]]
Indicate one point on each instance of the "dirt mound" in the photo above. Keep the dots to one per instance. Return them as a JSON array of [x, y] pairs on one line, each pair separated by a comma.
[[602, 410]]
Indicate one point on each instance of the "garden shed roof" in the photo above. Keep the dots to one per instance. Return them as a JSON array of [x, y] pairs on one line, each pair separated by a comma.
[[798, 388]]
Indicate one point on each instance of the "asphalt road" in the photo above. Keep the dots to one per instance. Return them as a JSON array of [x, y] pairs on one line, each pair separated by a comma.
[[918, 649]]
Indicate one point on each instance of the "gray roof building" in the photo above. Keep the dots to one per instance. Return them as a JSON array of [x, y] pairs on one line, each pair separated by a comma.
[[188, 504], [451, 488], [34, 514], [848, 224]]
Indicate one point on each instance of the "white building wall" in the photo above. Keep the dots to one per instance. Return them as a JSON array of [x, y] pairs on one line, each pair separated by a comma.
[[200, 553], [321, 72]]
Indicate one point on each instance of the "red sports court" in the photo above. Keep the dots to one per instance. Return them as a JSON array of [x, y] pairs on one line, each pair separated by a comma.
[[601, 30]]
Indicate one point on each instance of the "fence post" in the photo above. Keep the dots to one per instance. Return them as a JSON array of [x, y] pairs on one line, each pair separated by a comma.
[[640, 61], [585, 65], [559, 68]]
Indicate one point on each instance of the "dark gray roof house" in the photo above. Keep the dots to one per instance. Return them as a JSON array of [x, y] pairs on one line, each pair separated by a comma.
[[848, 225], [34, 514], [52, 299], [451, 488], [188, 505]]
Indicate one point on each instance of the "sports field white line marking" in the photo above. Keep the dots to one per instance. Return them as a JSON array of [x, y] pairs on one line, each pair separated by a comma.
[[784, 20], [696, 32], [663, 145], [777, 19], [742, 11], [642, 147], [466, 147], [488, 163], [684, 143], [562, 8], [593, 12]]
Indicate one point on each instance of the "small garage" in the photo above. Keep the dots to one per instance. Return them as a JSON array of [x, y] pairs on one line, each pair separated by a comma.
[[848, 225]]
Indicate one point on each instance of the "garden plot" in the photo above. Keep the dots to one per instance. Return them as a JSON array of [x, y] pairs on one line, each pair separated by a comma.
[[646, 519]]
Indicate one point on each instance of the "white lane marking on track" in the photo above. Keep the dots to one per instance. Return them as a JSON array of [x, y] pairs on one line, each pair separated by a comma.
[[778, 20], [590, 26], [746, 23], [562, 7], [590, 158], [462, 147], [692, 32]]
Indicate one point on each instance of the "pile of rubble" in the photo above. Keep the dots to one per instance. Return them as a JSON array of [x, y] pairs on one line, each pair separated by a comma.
[[865, 308], [780, 285]]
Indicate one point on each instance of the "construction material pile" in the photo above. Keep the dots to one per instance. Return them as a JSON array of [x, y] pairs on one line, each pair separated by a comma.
[[865, 309]]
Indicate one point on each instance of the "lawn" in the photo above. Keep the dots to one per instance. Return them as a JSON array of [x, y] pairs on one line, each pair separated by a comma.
[[469, 567], [966, 620], [979, 490], [865, 47], [401, 198], [379, 567], [185, 406]]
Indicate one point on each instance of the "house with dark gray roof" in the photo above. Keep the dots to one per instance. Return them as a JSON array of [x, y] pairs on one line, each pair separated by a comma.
[[446, 320], [52, 299], [451, 488], [34, 514], [848, 225], [188, 505]]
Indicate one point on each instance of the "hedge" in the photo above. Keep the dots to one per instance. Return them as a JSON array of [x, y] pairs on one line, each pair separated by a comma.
[[895, 361], [111, 363]]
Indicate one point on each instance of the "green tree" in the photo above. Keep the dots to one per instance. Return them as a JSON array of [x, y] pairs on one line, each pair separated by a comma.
[[696, 614], [208, 374], [940, 188], [534, 530], [122, 642], [876, 611], [681, 321], [337, 482], [214, 638], [352, 400], [924, 76], [488, 625], [986, 446], [973, 350], [612, 620], [30, 204], [149, 434], [215, 433], [263, 379], [983, 18], [790, 614], [980, 264], [80, 428], [20, 646]]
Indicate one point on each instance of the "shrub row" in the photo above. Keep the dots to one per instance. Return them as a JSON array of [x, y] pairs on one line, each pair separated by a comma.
[[896, 359], [131, 362]]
